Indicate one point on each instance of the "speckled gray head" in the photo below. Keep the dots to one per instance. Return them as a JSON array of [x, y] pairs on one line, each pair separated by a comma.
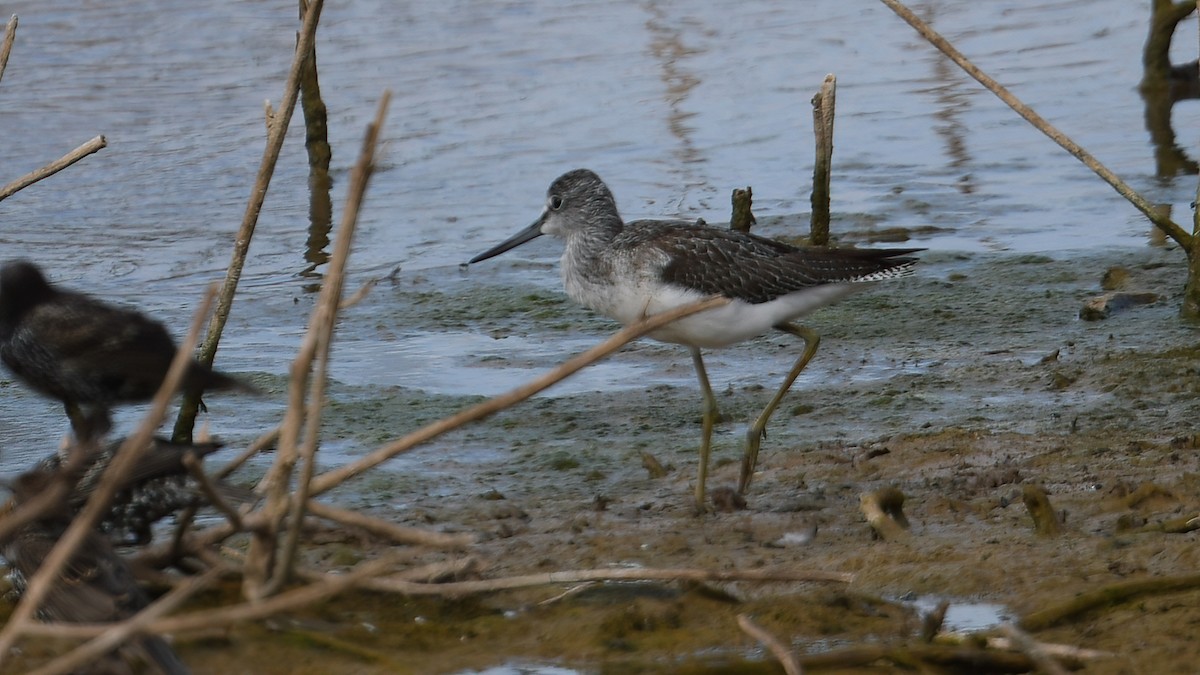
[[576, 201]]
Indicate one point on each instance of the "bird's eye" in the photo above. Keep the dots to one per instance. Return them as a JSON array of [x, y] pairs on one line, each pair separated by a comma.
[[555, 202]]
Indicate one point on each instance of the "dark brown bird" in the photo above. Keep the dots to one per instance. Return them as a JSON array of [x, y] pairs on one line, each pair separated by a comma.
[[86, 353], [95, 586]]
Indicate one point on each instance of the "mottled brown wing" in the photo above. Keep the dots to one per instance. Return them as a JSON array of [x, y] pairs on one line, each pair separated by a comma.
[[756, 269]]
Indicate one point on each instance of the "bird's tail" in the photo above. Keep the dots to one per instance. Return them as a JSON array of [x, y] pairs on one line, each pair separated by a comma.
[[159, 653], [203, 378]]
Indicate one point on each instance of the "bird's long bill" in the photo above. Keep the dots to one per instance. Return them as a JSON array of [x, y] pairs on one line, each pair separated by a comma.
[[532, 232]]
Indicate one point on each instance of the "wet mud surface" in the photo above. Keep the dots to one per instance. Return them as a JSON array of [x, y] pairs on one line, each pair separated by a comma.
[[959, 387]]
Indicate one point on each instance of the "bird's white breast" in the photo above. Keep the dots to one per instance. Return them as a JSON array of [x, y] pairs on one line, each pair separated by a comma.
[[628, 292]]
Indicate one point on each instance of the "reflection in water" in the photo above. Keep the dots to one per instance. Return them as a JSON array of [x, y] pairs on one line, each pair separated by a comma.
[[668, 50], [316, 142], [954, 101], [953, 104], [1169, 159], [320, 214], [1162, 85]]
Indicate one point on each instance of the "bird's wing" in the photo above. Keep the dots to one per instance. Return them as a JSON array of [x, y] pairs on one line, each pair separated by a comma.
[[756, 269], [97, 339]]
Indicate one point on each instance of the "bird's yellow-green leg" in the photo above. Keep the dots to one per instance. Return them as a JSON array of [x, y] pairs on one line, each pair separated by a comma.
[[709, 418], [758, 430]]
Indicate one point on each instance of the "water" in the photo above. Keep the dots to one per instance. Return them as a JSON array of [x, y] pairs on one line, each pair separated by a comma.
[[673, 103], [966, 617]]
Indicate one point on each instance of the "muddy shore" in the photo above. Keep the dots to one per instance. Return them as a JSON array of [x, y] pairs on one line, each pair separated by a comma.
[[960, 387]]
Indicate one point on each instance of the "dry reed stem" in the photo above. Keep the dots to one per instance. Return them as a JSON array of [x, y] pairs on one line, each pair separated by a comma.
[[368, 575], [260, 444], [293, 599], [396, 585], [183, 522], [432, 572], [10, 34], [358, 295], [1160, 220], [330, 303], [333, 478], [398, 534], [52, 168], [425, 574], [188, 409], [263, 552], [185, 543], [123, 631], [195, 468], [780, 651], [1050, 648], [220, 617], [574, 590], [323, 320], [128, 454], [1026, 645]]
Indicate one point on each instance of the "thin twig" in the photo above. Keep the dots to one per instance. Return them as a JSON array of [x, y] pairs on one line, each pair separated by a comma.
[[1052, 649], [436, 572], [579, 576], [324, 319], [279, 123], [574, 590], [781, 653], [1025, 644], [1159, 219], [398, 534], [10, 34], [112, 479], [329, 586], [358, 295], [426, 574], [194, 467], [335, 477], [300, 597], [53, 167], [163, 554], [121, 632], [183, 522], [260, 444]]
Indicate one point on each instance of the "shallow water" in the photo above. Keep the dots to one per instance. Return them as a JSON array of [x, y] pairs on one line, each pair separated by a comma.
[[673, 103]]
